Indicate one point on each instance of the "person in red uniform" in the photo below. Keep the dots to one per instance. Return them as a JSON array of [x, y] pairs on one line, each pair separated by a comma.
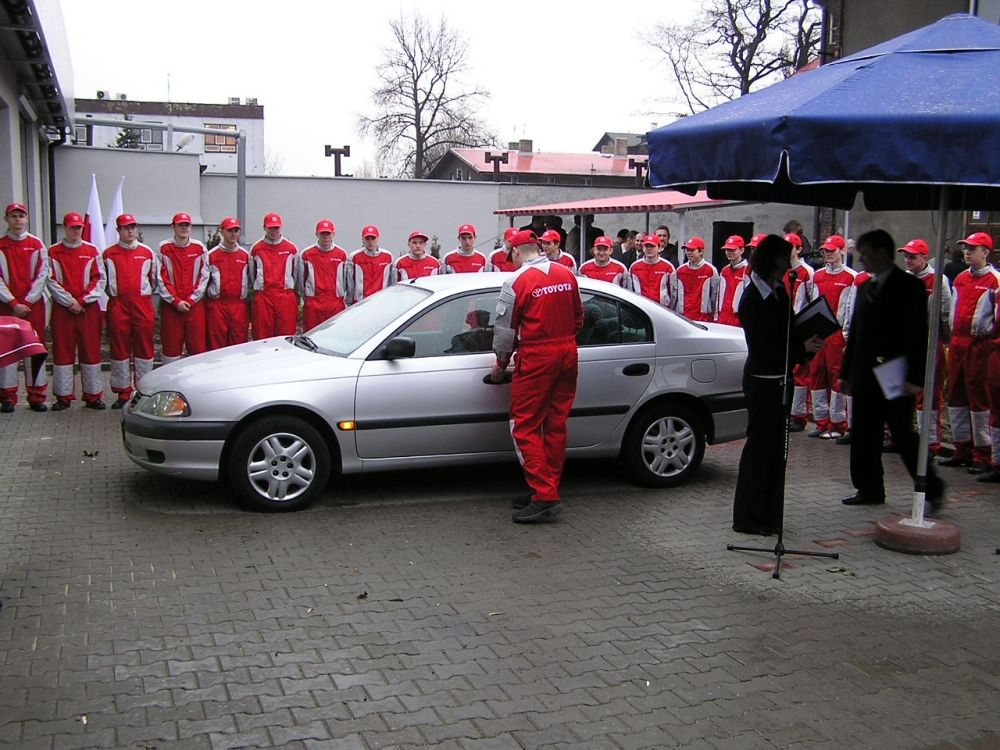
[[652, 276], [275, 303], [602, 266], [24, 271], [465, 258], [801, 291], [371, 264], [227, 307], [834, 281], [500, 259], [732, 280], [756, 240], [324, 277], [538, 313], [968, 356], [915, 258], [76, 283], [183, 280], [416, 263], [549, 241], [993, 395], [697, 284], [133, 272]]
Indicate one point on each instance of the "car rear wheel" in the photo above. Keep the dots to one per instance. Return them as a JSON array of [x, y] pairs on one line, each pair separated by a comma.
[[664, 445], [279, 464]]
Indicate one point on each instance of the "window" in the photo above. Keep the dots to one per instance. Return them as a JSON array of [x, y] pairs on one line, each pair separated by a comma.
[[220, 144], [83, 135], [151, 140], [608, 321], [457, 326]]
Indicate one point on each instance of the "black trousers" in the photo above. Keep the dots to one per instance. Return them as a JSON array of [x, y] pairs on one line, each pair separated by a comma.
[[760, 486], [871, 412]]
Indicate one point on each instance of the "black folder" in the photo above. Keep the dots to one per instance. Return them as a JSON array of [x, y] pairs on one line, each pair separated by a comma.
[[815, 319]]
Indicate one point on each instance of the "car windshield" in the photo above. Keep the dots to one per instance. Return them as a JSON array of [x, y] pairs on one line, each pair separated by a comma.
[[346, 331]]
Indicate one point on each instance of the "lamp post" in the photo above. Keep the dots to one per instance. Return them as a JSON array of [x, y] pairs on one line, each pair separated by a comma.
[[496, 160], [639, 165], [336, 153]]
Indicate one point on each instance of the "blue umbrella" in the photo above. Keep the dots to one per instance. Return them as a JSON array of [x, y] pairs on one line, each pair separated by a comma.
[[912, 123]]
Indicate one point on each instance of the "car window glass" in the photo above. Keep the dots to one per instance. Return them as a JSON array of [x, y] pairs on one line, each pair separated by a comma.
[[457, 326], [609, 321], [346, 331]]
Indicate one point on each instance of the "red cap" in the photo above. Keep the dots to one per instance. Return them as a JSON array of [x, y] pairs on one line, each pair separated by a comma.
[[181, 218], [735, 242], [524, 237], [369, 231], [271, 221], [757, 238], [834, 242], [976, 239], [16, 207], [467, 229], [508, 233], [325, 225], [603, 241], [650, 239], [230, 222], [793, 239], [915, 247], [125, 220], [73, 219], [417, 233], [550, 235], [695, 243]]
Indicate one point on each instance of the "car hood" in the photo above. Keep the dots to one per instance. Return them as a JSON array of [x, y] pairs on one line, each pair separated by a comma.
[[267, 362]]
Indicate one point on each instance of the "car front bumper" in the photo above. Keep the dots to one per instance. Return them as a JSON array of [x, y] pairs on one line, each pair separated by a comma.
[[177, 448]]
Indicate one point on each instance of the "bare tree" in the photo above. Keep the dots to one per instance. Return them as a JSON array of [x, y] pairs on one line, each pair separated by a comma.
[[735, 46], [422, 107], [273, 161]]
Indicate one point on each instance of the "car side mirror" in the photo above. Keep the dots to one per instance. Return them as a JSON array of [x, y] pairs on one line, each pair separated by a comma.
[[400, 347]]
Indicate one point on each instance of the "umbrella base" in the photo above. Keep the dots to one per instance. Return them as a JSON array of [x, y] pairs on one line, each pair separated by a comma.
[[935, 537]]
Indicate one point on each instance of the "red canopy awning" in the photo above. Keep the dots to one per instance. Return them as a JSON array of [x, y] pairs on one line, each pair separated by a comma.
[[652, 201]]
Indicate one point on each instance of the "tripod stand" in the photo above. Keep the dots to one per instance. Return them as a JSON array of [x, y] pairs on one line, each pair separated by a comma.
[[786, 401]]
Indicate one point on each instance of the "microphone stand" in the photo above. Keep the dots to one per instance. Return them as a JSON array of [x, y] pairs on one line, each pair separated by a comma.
[[786, 402]]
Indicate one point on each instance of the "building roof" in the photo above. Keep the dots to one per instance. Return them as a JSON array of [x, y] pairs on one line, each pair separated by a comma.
[[633, 140], [170, 109], [650, 201], [542, 162]]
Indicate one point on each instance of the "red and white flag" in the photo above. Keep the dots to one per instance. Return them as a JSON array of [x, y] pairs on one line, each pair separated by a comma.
[[93, 222], [117, 209]]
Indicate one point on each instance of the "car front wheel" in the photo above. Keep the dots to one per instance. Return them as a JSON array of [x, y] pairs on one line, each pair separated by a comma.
[[664, 446], [279, 464]]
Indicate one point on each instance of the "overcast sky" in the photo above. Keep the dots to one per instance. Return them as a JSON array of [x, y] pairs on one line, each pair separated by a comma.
[[560, 72]]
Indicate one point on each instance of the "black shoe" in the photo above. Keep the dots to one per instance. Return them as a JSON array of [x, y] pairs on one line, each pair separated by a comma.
[[859, 499], [99, 405], [38, 407], [993, 477], [978, 468], [60, 406], [794, 426], [844, 439], [816, 433], [533, 512], [953, 461], [7, 408], [119, 403], [520, 502]]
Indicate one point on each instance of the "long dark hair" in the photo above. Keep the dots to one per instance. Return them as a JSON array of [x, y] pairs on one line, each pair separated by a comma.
[[765, 257]]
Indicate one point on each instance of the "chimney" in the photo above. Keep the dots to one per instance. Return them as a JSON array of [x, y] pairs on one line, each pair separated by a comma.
[[621, 148], [525, 147], [512, 145]]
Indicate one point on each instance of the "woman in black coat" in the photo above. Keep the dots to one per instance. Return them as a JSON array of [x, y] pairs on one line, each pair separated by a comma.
[[764, 315]]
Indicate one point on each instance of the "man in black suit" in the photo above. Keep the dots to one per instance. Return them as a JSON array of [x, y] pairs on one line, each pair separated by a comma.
[[890, 321]]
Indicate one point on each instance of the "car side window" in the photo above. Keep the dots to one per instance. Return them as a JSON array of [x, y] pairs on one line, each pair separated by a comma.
[[457, 326], [608, 321]]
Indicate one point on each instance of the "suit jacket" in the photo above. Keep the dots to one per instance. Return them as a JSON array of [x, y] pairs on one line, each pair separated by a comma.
[[891, 324], [765, 322]]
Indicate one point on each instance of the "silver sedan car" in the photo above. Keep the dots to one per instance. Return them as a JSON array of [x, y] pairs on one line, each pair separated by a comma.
[[398, 381]]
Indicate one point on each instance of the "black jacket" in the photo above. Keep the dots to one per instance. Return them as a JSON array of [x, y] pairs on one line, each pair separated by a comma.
[[765, 324]]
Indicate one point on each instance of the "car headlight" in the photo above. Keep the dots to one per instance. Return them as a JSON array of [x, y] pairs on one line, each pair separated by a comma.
[[164, 404]]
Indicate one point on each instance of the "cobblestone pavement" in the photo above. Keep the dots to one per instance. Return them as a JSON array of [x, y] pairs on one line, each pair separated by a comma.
[[407, 611]]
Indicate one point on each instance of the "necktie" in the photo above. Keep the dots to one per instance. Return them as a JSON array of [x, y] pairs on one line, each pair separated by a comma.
[[872, 289]]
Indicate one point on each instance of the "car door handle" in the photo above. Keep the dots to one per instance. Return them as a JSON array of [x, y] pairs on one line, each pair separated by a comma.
[[640, 368]]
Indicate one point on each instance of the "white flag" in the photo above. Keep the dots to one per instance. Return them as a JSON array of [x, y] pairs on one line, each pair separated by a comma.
[[117, 208], [93, 222]]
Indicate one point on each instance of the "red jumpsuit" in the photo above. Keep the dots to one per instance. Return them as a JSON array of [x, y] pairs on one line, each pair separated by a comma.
[[567, 260], [76, 275], [24, 271], [697, 291], [275, 303], [655, 281], [410, 267], [132, 276], [324, 283], [940, 361], [538, 313], [732, 281], [828, 402], [372, 272], [968, 360], [227, 308], [801, 291], [993, 387], [499, 261], [614, 272], [183, 278], [458, 262]]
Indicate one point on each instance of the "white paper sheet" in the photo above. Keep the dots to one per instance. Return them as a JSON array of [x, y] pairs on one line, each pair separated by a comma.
[[891, 377]]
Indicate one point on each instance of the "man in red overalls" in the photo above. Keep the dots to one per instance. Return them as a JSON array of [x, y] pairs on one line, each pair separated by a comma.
[[500, 259], [324, 277], [229, 281], [465, 258], [801, 292], [275, 302], [416, 263], [603, 267], [697, 284], [732, 279], [539, 312], [183, 279], [550, 240], [652, 276], [371, 264]]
